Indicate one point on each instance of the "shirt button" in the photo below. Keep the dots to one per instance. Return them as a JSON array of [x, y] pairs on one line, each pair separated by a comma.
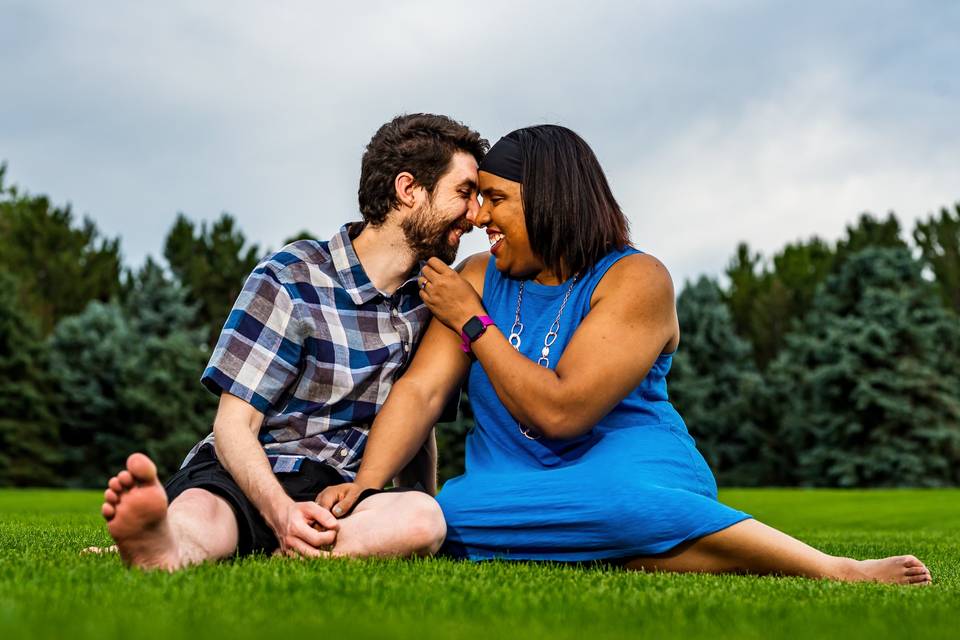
[[406, 348], [343, 453], [395, 313]]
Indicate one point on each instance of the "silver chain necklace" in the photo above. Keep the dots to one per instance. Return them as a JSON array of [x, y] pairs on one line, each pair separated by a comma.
[[548, 340]]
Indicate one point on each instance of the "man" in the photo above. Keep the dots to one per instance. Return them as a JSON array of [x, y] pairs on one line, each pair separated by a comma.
[[305, 360]]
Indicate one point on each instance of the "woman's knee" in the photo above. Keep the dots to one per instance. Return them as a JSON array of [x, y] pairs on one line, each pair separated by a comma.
[[425, 526]]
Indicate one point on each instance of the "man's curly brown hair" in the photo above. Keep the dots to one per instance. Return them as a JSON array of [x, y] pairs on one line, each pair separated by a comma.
[[420, 143]]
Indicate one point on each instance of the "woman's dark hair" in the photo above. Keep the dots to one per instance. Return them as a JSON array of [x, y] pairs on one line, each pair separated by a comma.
[[420, 143], [572, 217]]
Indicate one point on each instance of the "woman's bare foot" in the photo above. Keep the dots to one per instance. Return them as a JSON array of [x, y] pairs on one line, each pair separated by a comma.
[[135, 508], [893, 570]]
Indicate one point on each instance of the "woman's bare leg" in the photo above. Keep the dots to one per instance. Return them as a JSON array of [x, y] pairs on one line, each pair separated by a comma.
[[753, 547]]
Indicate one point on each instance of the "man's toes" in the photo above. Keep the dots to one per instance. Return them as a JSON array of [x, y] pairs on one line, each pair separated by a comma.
[[126, 479], [111, 496], [114, 484], [108, 510], [916, 571], [911, 561], [923, 579], [142, 468]]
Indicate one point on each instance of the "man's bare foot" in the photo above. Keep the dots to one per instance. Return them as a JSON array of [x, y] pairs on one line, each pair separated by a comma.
[[135, 508], [893, 570]]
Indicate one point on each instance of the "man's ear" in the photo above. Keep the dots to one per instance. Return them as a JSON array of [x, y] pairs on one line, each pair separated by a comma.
[[407, 189]]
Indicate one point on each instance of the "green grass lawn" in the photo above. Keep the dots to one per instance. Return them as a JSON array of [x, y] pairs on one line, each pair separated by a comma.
[[48, 590]]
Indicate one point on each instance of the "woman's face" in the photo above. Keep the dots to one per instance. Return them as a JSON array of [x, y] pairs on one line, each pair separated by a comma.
[[501, 214]]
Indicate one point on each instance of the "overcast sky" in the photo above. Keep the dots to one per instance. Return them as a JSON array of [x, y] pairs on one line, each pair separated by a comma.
[[717, 122]]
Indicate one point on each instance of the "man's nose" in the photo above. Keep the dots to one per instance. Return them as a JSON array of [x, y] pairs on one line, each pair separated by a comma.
[[473, 211]]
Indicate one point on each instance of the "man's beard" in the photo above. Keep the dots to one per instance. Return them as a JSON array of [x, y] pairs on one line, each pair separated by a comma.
[[427, 235]]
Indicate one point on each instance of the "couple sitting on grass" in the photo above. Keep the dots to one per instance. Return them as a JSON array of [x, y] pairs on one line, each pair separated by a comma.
[[339, 357]]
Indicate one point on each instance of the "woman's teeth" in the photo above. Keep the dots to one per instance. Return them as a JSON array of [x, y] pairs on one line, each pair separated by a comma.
[[495, 238]]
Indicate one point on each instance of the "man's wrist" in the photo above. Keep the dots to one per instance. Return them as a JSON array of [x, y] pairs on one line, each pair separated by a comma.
[[276, 512]]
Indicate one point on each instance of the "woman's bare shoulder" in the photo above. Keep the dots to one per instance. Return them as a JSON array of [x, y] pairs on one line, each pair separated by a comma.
[[641, 276], [474, 270]]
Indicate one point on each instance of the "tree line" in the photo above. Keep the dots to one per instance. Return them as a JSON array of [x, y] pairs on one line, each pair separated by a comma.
[[826, 364]]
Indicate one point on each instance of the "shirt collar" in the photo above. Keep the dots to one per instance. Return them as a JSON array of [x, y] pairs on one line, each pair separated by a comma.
[[352, 276]]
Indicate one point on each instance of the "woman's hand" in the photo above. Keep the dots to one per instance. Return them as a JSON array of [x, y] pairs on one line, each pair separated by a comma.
[[452, 299]]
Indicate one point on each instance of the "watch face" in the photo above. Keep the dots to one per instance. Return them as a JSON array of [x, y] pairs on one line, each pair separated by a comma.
[[474, 328]]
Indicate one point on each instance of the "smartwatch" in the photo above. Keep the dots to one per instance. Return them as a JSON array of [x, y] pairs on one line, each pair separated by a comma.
[[472, 330]]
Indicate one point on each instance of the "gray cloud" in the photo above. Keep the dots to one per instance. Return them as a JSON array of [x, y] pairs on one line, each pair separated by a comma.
[[717, 121]]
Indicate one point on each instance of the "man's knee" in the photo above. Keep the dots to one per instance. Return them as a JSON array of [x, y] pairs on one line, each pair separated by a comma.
[[196, 499]]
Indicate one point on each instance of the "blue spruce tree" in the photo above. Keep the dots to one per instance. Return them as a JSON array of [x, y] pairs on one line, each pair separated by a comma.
[[716, 388], [870, 385]]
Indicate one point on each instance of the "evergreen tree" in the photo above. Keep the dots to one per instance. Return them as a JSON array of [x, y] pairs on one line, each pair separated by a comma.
[[60, 267], [746, 284], [786, 295], [871, 385], [29, 442], [939, 242], [302, 235], [212, 263], [452, 432], [169, 403], [93, 357], [128, 380], [716, 388], [870, 232]]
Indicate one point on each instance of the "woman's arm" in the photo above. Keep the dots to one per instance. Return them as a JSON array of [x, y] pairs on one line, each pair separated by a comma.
[[631, 322], [412, 408]]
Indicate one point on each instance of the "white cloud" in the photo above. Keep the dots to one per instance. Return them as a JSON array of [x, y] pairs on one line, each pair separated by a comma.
[[792, 165]]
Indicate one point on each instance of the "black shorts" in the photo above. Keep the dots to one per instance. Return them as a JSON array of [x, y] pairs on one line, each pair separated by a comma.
[[204, 471]]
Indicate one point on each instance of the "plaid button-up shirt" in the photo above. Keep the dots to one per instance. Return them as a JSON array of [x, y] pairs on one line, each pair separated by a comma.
[[314, 346]]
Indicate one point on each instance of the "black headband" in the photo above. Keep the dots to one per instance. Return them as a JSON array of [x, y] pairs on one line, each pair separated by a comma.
[[504, 159]]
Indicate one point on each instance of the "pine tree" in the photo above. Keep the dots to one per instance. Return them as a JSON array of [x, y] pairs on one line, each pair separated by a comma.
[[93, 357], [212, 263], [716, 388], [452, 431], [786, 295], [939, 242], [871, 384], [60, 267], [167, 402], [29, 442], [128, 380], [869, 232]]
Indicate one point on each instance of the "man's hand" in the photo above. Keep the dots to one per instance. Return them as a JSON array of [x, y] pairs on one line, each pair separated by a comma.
[[304, 528], [340, 498]]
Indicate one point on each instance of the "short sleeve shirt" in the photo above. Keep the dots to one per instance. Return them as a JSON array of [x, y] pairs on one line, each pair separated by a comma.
[[316, 347]]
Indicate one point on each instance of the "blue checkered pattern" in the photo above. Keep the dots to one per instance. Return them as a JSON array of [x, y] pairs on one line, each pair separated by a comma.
[[315, 347]]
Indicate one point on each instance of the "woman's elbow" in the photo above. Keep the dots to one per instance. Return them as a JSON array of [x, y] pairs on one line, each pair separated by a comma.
[[563, 425]]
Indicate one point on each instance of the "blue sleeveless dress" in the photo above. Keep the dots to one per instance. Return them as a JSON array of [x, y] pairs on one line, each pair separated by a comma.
[[634, 485]]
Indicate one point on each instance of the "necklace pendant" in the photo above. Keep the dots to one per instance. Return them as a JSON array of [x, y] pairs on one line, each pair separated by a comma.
[[527, 433]]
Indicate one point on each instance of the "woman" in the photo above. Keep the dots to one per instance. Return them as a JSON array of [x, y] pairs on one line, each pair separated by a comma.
[[567, 333]]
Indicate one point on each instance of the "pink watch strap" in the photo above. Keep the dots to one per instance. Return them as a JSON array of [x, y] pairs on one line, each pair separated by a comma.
[[486, 321]]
